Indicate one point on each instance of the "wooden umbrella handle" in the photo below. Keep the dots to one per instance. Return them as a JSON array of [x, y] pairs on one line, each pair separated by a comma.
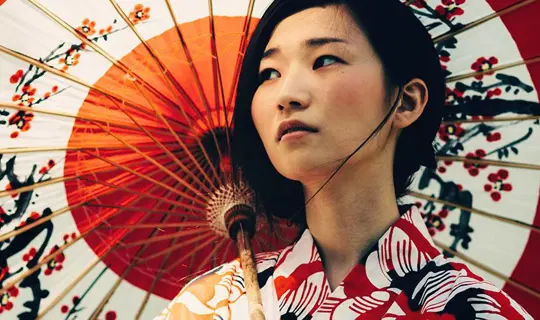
[[247, 260]]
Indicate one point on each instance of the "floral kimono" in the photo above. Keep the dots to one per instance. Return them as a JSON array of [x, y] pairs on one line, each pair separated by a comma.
[[403, 277]]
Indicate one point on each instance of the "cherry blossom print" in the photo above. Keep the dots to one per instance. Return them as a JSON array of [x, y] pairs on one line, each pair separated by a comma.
[[474, 168], [454, 96], [16, 77], [70, 59], [6, 303], [139, 14], [450, 8], [493, 93], [21, 119], [484, 64], [88, 28], [443, 166], [493, 136], [56, 263], [26, 98], [497, 184], [450, 131], [30, 255]]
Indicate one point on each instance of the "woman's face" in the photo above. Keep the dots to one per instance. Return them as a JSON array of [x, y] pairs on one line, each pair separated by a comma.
[[319, 69]]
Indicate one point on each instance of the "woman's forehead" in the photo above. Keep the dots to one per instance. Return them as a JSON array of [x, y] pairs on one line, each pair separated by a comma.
[[318, 22]]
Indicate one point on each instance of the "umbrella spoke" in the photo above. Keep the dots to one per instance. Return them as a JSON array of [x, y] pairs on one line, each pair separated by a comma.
[[498, 163], [186, 224], [107, 93], [182, 233], [203, 234], [489, 270], [103, 53], [501, 13], [77, 117], [100, 258], [476, 211], [191, 253], [61, 211], [212, 254], [529, 61], [130, 208], [154, 181], [505, 119]]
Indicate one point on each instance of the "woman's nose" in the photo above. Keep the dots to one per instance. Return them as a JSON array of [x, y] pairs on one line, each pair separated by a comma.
[[294, 92]]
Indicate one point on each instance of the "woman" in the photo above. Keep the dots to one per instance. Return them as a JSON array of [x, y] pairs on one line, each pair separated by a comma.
[[336, 111]]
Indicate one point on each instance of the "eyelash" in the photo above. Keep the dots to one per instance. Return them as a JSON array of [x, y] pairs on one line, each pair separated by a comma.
[[263, 75]]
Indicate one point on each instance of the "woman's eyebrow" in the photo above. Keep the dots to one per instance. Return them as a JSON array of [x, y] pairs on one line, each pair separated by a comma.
[[309, 43]]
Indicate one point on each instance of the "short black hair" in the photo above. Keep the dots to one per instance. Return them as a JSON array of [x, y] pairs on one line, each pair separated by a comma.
[[406, 50]]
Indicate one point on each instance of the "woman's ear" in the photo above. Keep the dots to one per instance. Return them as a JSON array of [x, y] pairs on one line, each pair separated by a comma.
[[414, 99]]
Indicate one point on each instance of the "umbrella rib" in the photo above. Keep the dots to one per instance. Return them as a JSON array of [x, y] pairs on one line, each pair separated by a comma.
[[34, 186], [191, 253], [529, 61], [176, 247], [154, 162], [64, 75], [489, 270], [482, 20], [203, 228], [129, 208], [143, 176], [66, 115], [498, 163], [476, 211], [163, 70], [505, 119], [88, 269], [158, 225], [102, 52], [50, 257], [54, 214], [211, 255]]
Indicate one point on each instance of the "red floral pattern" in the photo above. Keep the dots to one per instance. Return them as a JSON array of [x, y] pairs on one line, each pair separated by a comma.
[[88, 28], [450, 8], [483, 65], [56, 263], [453, 96], [5, 299], [70, 59], [497, 184], [27, 97], [474, 168], [450, 131], [139, 14]]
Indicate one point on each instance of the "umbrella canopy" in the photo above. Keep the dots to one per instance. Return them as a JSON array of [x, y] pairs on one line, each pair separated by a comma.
[[115, 136]]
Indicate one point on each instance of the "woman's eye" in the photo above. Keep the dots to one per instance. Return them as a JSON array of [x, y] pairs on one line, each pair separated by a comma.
[[324, 61], [268, 74]]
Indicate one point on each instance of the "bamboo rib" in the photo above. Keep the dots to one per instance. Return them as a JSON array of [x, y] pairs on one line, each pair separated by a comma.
[[529, 61], [34, 186], [74, 79], [218, 81], [505, 119], [154, 162], [102, 52], [154, 181], [61, 296], [128, 208], [191, 253], [184, 233], [477, 211], [498, 163], [56, 213], [187, 224], [171, 80], [211, 254], [125, 69], [176, 247], [66, 115], [488, 270], [482, 20], [67, 148]]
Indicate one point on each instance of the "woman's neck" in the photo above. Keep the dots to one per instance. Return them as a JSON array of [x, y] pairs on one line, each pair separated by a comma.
[[348, 216]]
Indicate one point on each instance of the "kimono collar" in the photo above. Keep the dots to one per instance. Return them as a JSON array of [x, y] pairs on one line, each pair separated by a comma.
[[405, 247]]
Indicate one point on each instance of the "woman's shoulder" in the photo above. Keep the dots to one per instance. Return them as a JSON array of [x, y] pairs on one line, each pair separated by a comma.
[[218, 291]]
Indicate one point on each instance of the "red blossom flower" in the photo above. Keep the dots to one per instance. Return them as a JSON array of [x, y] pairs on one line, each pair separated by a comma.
[[442, 169], [453, 95], [27, 97], [5, 303], [106, 30], [450, 8], [484, 65], [474, 168], [16, 77], [56, 263], [111, 315], [448, 131], [492, 93], [30, 255], [88, 27], [139, 14], [497, 184], [492, 137], [21, 119], [70, 59]]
